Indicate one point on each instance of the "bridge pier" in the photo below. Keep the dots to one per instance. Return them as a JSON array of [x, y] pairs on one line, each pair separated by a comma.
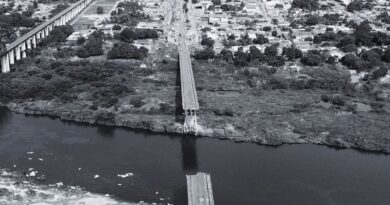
[[5, 66], [12, 57], [23, 49], [34, 41], [17, 51]]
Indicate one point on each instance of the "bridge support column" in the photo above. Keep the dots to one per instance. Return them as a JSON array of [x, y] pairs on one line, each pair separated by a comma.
[[34, 41], [12, 57], [23, 49], [28, 42], [62, 20], [43, 33], [5, 67], [17, 51], [37, 37]]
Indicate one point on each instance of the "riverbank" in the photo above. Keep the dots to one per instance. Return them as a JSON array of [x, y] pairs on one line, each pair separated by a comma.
[[127, 93], [269, 129]]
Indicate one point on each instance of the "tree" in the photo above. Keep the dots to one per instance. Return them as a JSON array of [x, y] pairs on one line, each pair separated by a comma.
[[292, 53], [99, 10], [226, 55], [81, 40], [207, 41], [245, 40], [271, 50], [313, 20], [380, 72], [216, 2], [349, 48], [126, 51], [205, 54], [312, 59], [274, 33], [127, 35], [267, 28], [310, 5], [276, 61], [355, 5], [260, 39], [93, 47], [116, 27], [254, 53], [386, 55], [58, 34], [371, 56], [240, 57]]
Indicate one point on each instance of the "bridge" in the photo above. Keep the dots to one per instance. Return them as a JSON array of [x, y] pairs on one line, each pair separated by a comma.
[[199, 189], [188, 89], [17, 49]]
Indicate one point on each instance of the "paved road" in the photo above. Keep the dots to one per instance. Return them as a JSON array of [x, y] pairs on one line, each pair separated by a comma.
[[199, 189], [188, 89]]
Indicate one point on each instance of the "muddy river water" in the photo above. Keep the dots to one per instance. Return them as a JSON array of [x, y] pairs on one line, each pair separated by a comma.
[[138, 166]]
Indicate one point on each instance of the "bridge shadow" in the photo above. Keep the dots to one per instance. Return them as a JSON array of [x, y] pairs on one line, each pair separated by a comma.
[[5, 116], [189, 154]]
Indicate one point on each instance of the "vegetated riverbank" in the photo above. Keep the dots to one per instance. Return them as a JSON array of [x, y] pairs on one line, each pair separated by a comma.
[[233, 106]]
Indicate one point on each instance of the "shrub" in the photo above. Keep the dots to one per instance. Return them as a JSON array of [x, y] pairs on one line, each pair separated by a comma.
[[93, 47], [380, 72], [310, 5], [126, 51], [206, 41], [81, 40], [205, 54], [137, 102], [116, 27], [99, 10]]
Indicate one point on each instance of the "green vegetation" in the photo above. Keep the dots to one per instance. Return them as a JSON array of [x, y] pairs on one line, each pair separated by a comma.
[[129, 34], [128, 13], [99, 10], [93, 46], [310, 5], [126, 51]]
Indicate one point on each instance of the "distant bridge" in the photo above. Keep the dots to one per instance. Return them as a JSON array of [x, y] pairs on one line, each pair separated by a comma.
[[17, 49]]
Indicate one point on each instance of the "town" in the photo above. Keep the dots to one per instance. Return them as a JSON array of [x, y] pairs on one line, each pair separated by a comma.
[[270, 72]]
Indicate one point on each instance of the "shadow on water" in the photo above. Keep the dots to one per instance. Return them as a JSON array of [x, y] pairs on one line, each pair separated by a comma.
[[189, 154], [5, 116], [106, 131]]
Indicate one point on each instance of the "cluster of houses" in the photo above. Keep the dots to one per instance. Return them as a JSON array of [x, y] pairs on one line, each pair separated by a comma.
[[251, 17]]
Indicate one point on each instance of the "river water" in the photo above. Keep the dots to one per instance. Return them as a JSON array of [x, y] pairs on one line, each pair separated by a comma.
[[152, 167]]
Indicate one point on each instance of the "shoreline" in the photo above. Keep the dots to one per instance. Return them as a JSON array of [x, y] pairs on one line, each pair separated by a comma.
[[158, 126]]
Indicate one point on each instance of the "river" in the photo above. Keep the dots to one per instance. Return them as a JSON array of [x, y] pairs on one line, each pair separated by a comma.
[[152, 167]]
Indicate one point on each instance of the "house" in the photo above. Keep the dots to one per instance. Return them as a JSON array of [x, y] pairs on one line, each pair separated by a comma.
[[149, 25]]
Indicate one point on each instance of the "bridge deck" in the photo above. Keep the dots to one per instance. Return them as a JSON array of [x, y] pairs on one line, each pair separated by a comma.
[[199, 189], [188, 89], [41, 26]]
